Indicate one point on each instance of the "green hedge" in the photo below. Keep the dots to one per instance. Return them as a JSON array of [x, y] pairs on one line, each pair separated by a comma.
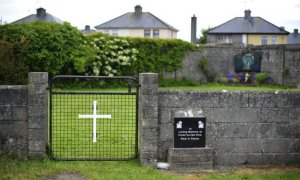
[[157, 55], [12, 68], [62, 49], [41, 46], [153, 55]]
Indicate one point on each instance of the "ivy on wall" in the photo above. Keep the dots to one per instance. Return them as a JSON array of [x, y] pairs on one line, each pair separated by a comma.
[[207, 70]]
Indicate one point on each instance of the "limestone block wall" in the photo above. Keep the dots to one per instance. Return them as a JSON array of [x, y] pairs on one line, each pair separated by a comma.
[[13, 119], [23, 117], [281, 62], [242, 127]]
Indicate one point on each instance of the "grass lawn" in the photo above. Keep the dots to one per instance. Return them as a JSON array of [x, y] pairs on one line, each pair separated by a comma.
[[14, 169], [72, 136]]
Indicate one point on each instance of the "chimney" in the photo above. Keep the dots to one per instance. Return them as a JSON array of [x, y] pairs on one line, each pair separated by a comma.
[[194, 29], [138, 10], [247, 14], [87, 28], [40, 12], [295, 32]]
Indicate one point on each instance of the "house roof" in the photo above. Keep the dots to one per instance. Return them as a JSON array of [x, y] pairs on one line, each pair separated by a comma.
[[247, 25], [41, 15], [294, 38], [136, 20]]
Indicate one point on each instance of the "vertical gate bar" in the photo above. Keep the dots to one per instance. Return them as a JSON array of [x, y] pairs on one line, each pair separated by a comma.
[[136, 119], [50, 127]]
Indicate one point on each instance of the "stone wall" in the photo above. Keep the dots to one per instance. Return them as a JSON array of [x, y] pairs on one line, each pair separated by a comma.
[[281, 62], [242, 127], [13, 120], [23, 117]]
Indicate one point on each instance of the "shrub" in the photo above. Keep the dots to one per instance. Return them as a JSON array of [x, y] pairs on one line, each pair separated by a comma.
[[157, 55], [114, 56], [151, 55], [12, 70], [235, 80], [207, 70], [45, 46], [223, 80], [261, 78]]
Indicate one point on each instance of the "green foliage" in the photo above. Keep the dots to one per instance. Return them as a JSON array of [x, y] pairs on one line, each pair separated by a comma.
[[145, 55], [11, 68], [203, 65], [114, 56], [203, 37], [99, 170], [235, 80], [176, 82], [157, 55], [223, 80], [33, 169], [62, 49], [44, 46], [261, 78], [207, 70], [285, 72]]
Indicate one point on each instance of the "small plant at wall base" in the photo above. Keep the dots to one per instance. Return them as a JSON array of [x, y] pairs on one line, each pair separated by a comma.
[[246, 78], [207, 70], [261, 78], [223, 80]]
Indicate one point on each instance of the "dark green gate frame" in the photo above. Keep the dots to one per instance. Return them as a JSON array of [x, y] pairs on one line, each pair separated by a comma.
[[72, 137]]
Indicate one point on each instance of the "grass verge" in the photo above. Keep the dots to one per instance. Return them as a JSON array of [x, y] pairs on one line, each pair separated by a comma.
[[14, 169]]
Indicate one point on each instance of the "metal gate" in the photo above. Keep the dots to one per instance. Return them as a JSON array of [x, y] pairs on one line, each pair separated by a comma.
[[93, 118]]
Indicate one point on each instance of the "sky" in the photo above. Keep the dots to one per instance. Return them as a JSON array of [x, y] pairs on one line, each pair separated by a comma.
[[177, 13]]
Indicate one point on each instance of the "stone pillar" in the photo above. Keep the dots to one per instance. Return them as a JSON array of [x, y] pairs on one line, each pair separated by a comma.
[[148, 125], [37, 114]]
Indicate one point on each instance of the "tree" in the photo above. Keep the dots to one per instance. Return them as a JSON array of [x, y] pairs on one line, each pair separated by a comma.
[[203, 37], [41, 46]]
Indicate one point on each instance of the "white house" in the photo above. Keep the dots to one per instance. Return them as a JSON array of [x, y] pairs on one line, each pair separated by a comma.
[[138, 24]]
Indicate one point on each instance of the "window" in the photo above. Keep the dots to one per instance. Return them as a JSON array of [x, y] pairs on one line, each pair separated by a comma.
[[224, 39], [228, 39], [274, 39], [264, 40], [219, 38], [156, 33], [147, 33]]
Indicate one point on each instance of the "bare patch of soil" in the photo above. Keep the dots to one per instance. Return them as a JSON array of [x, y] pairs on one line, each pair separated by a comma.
[[65, 176]]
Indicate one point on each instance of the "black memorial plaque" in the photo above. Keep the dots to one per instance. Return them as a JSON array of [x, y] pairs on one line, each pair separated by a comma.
[[189, 132]]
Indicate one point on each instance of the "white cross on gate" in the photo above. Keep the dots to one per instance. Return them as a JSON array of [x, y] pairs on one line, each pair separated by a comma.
[[94, 116]]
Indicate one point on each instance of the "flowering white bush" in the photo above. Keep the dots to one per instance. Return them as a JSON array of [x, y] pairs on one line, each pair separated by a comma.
[[114, 54]]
